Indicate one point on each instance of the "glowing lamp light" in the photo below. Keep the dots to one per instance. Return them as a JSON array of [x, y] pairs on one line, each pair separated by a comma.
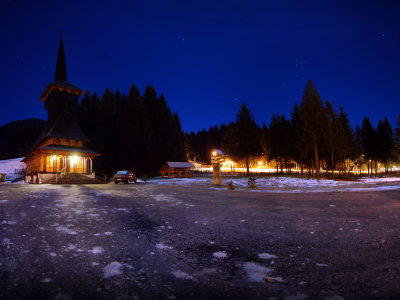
[[259, 163], [74, 159], [214, 153]]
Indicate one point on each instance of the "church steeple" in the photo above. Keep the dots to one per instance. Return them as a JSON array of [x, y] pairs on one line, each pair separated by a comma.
[[60, 95], [61, 68]]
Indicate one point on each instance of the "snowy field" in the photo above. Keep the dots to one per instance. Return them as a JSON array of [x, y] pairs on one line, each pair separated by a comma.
[[9, 166], [291, 184]]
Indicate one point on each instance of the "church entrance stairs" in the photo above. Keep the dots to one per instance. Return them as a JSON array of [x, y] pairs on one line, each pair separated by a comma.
[[75, 178]]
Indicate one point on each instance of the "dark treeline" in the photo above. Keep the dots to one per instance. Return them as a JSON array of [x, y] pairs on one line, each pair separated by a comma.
[[201, 143], [134, 131], [139, 132], [314, 137], [17, 137]]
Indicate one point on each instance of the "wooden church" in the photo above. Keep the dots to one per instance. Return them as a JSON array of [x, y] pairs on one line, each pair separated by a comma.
[[59, 148]]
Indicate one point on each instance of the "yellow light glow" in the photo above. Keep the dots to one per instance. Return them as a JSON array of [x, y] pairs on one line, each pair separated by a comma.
[[259, 163], [214, 153], [54, 157], [74, 159]]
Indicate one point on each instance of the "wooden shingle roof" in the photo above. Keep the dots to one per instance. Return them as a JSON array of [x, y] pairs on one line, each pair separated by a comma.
[[172, 164]]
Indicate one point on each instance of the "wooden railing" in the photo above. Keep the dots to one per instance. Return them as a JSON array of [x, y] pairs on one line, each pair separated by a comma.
[[61, 173]]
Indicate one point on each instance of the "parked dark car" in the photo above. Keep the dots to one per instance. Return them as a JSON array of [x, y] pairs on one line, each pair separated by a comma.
[[124, 176]]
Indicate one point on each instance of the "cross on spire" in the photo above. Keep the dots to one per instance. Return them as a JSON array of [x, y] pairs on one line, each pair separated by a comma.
[[61, 31]]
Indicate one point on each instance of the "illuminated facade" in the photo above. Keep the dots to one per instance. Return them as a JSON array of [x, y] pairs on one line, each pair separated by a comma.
[[60, 145]]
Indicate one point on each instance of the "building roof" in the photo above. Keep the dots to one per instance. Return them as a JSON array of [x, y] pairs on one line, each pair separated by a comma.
[[220, 152], [67, 148], [60, 79], [65, 127], [61, 86], [172, 164], [61, 68]]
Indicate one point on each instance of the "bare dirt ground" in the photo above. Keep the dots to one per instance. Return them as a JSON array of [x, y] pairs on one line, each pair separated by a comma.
[[149, 241]]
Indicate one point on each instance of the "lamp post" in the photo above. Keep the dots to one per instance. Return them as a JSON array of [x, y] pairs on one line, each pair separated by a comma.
[[369, 166], [214, 153]]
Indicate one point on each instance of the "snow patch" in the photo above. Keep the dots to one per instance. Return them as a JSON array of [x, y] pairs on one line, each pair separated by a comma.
[[321, 265], [182, 275], [163, 247], [112, 269], [256, 273], [97, 250], [66, 230], [221, 254], [267, 256]]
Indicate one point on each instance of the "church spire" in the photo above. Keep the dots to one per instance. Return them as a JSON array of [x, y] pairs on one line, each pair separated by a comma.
[[61, 68]]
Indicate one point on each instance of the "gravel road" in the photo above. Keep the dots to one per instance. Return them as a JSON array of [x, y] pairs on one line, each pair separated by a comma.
[[149, 241]]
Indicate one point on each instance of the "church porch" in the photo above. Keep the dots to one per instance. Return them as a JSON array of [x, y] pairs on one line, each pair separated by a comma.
[[43, 167]]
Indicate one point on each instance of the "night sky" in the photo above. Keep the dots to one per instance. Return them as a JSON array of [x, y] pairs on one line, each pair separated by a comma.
[[206, 57]]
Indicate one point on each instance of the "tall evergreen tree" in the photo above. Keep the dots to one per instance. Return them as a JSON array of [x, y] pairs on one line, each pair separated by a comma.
[[301, 147], [136, 134], [334, 134], [396, 139], [265, 142], [312, 120], [367, 140], [107, 122], [358, 153], [242, 140], [86, 114], [279, 134], [385, 141], [346, 139]]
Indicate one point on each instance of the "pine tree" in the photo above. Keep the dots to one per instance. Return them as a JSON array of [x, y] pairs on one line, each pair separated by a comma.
[[347, 139], [396, 141], [242, 140], [385, 141], [312, 120], [107, 122], [136, 135], [87, 117], [301, 148], [279, 136], [334, 134], [265, 142], [367, 140], [118, 99], [358, 147]]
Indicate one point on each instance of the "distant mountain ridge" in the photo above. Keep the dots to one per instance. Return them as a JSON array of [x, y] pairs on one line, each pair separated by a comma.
[[17, 137]]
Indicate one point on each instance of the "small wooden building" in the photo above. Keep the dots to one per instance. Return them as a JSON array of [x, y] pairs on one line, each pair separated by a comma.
[[60, 145], [170, 168]]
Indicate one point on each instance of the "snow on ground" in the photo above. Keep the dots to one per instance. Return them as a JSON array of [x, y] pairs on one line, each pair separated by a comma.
[[290, 184], [9, 166], [270, 183]]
